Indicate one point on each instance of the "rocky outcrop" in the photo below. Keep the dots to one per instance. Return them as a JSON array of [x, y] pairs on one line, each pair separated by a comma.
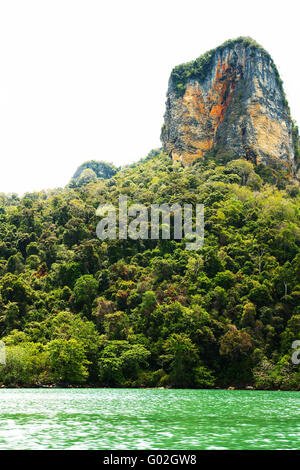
[[231, 102]]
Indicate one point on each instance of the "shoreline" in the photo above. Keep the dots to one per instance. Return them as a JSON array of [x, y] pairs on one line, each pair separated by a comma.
[[95, 387]]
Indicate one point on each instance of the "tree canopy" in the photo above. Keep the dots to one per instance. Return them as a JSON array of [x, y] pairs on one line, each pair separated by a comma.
[[78, 310]]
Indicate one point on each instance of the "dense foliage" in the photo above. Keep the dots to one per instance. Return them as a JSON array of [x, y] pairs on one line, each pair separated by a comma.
[[78, 310], [91, 171]]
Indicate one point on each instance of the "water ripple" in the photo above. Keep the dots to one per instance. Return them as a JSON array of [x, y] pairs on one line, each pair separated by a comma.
[[148, 419]]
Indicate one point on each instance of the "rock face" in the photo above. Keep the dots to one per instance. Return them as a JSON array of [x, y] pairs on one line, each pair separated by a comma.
[[231, 102]]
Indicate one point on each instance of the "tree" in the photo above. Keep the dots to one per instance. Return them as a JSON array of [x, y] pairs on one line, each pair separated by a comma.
[[15, 289], [75, 232], [85, 291], [181, 356], [67, 361], [290, 334], [249, 314], [245, 170], [225, 279], [203, 377], [148, 305], [15, 264], [235, 343], [87, 176], [90, 171], [11, 317], [116, 325], [121, 361], [25, 364], [260, 295], [69, 273]]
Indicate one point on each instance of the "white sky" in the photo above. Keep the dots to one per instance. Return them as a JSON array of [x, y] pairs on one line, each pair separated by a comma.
[[85, 79]]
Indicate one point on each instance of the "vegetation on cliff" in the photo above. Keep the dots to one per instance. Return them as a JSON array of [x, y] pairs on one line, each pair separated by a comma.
[[296, 141], [78, 310]]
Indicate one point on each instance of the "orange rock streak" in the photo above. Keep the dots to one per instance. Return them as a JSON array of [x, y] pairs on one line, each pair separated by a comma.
[[205, 109]]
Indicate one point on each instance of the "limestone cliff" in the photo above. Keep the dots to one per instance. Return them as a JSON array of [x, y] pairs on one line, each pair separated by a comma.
[[230, 101]]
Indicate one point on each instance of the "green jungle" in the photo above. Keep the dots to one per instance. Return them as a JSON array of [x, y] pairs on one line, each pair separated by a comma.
[[79, 311]]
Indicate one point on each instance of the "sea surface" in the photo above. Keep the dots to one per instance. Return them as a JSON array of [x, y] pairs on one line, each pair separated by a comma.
[[148, 419]]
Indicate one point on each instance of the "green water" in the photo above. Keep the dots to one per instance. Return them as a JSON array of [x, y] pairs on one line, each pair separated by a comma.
[[148, 419]]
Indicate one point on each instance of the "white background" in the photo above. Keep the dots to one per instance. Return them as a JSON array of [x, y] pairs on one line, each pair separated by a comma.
[[85, 79]]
